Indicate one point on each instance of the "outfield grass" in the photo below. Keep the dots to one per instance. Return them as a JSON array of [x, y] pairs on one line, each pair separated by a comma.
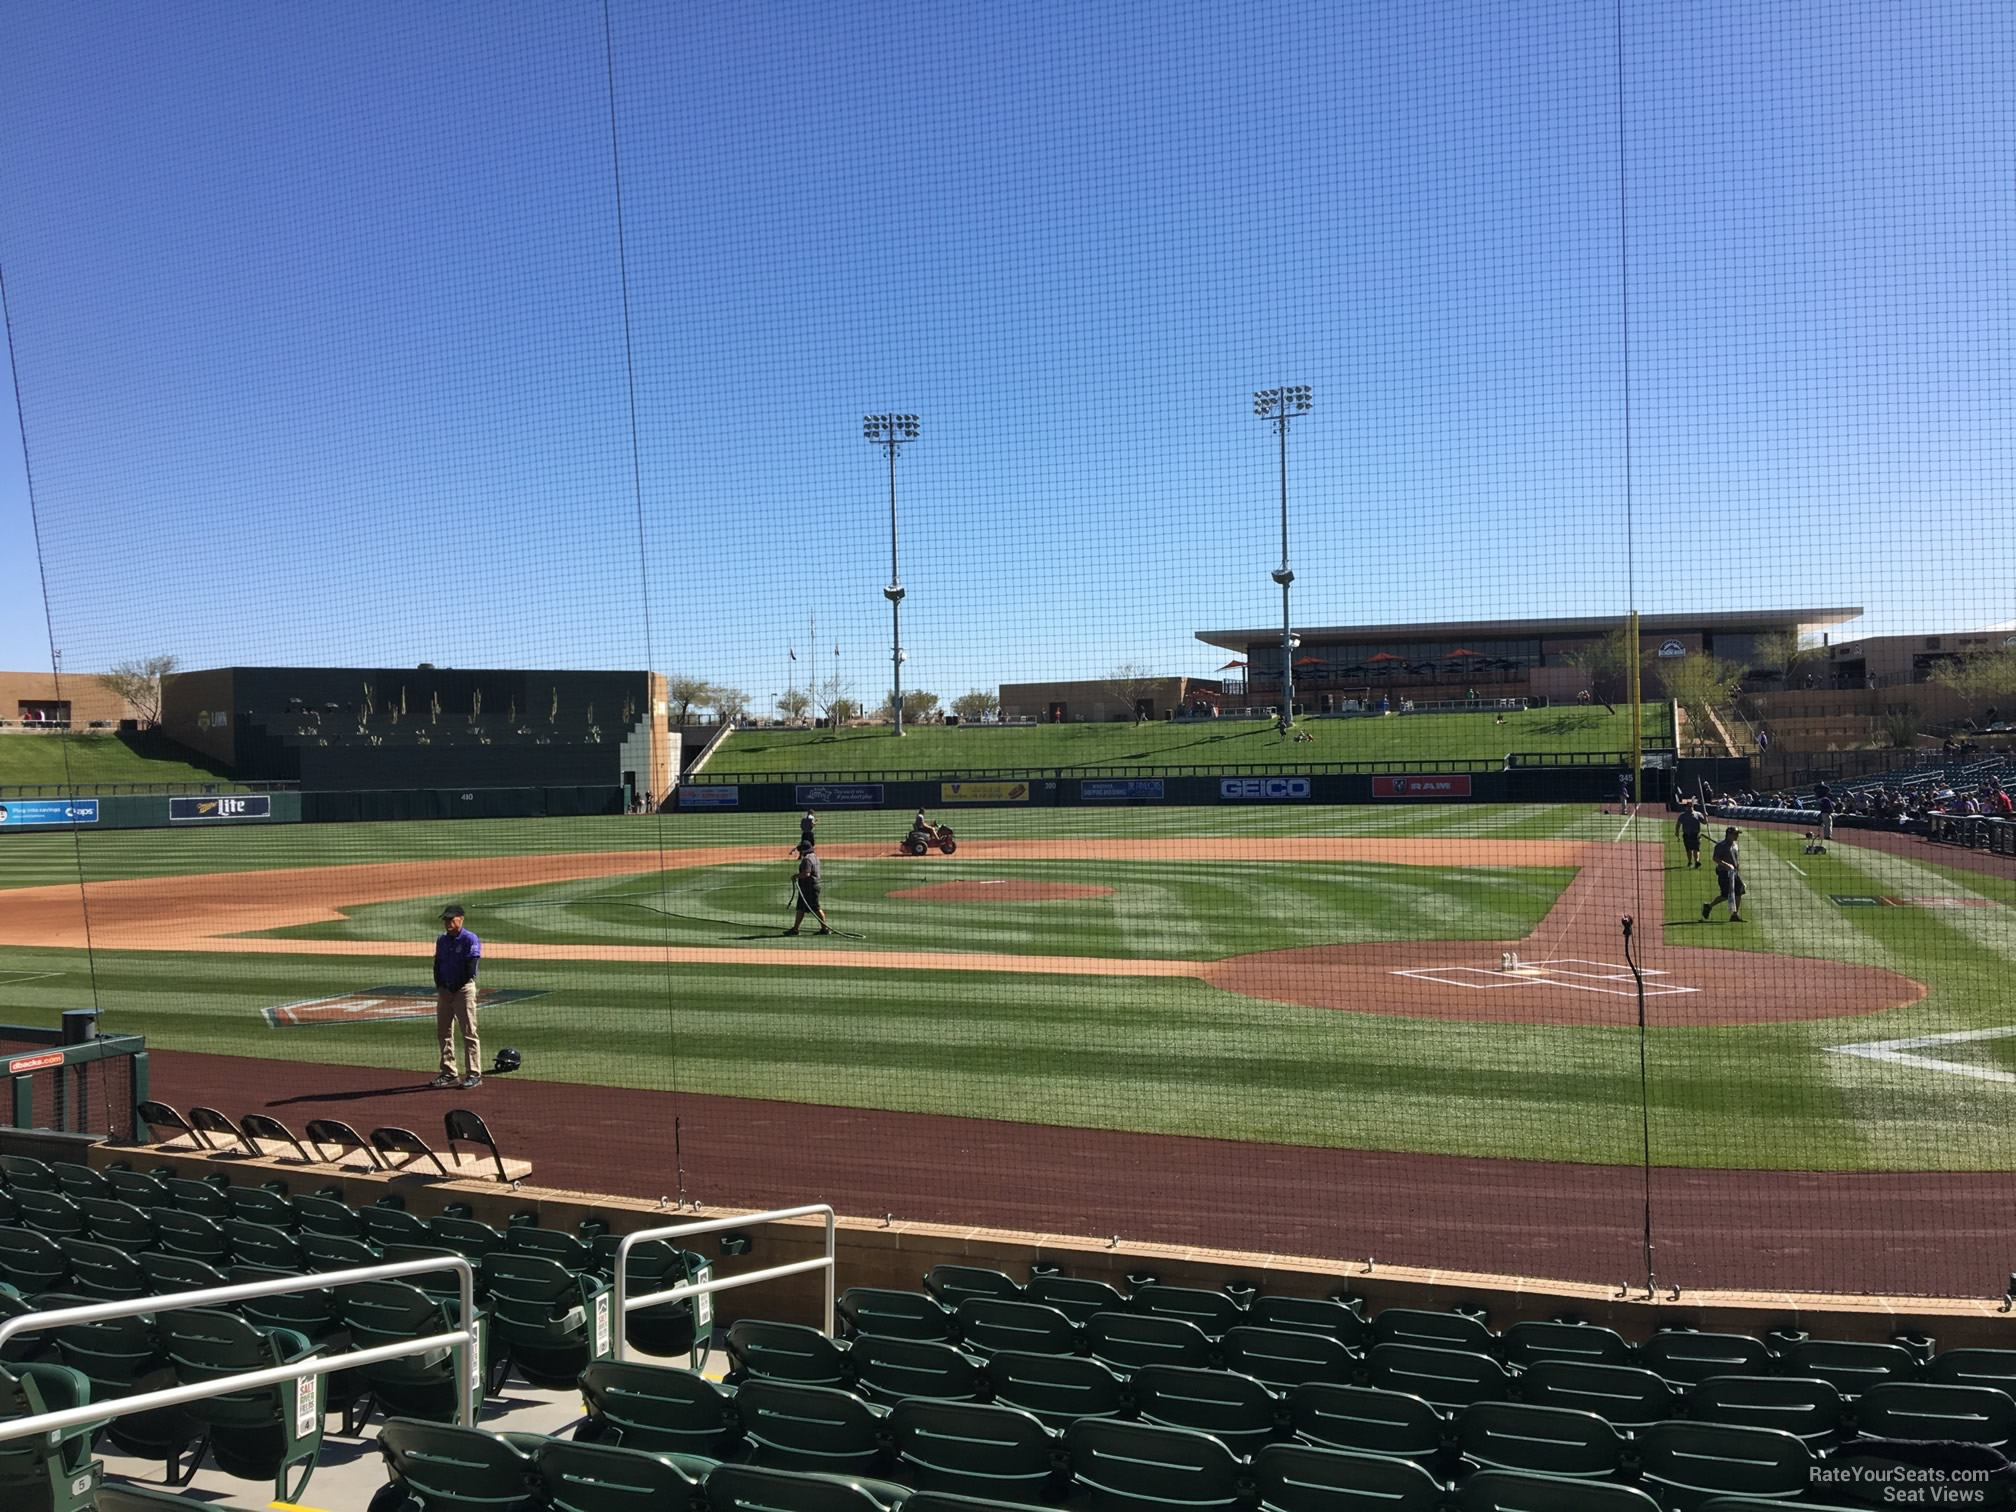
[[1422, 737], [87, 759], [1154, 1055]]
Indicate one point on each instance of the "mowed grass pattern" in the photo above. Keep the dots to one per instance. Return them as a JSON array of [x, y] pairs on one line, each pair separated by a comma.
[[1168, 1056]]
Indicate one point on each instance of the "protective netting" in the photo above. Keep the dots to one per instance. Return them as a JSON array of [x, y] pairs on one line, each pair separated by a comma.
[[1328, 482]]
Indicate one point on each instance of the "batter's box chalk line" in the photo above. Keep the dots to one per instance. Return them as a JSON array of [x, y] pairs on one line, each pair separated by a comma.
[[1600, 976], [1898, 1052]]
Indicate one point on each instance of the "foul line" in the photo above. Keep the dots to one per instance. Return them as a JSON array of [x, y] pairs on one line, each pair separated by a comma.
[[1898, 1053]]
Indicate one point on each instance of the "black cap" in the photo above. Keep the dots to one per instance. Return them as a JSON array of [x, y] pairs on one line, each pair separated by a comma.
[[452, 911]]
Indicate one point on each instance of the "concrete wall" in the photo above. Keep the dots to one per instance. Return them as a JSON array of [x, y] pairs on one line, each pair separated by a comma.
[[1093, 700], [87, 698]]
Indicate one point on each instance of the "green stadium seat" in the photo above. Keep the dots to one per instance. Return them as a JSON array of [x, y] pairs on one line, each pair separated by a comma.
[[669, 1328], [893, 1314], [1310, 1315], [570, 1251], [328, 1252], [466, 1237], [1851, 1366], [1235, 1409], [941, 1501], [383, 1226], [140, 1188], [1527, 1344], [123, 1357], [577, 1477], [793, 1427], [442, 1467], [1056, 1389], [417, 1386], [890, 1370], [1686, 1464], [1297, 1478], [1973, 1367], [752, 1488], [551, 1321], [31, 1262], [112, 1220], [1076, 1299], [1622, 1395], [759, 1350], [1124, 1342], [659, 1409], [313, 1314], [1682, 1359], [1283, 1358], [50, 1213], [1366, 1420], [1433, 1330], [49, 1472], [264, 1246], [24, 1173], [261, 1434], [76, 1180], [1211, 1311], [953, 1284], [1930, 1410], [973, 1450], [169, 1274], [259, 1204], [988, 1324], [1804, 1406], [325, 1215], [194, 1236], [1540, 1440], [1449, 1378], [10, 1210], [1515, 1491], [206, 1199], [1134, 1467], [103, 1271]]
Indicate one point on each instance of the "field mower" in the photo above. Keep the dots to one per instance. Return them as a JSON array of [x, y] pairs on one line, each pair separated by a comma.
[[919, 842]]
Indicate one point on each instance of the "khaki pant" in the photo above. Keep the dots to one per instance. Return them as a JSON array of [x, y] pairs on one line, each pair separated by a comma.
[[456, 1010]]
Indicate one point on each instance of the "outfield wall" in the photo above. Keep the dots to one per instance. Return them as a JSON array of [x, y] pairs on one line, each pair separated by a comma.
[[30, 815]]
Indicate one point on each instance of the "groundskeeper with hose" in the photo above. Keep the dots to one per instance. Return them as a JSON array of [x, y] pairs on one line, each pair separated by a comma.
[[805, 889]]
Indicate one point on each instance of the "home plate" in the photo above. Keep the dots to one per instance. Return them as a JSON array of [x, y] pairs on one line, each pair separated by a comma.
[[1583, 976]]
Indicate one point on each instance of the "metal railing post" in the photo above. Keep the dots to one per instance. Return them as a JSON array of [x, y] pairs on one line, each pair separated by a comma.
[[627, 1304]]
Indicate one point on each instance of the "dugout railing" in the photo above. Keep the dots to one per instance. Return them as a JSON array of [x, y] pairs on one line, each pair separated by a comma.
[[703, 1290]]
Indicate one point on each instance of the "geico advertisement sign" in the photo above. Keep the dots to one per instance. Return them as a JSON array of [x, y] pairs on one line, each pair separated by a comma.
[[1263, 789]]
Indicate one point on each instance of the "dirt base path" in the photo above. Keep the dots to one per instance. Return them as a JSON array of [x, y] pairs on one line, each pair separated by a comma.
[[1575, 972]]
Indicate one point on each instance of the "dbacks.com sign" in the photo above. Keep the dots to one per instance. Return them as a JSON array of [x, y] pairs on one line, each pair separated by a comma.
[[1263, 789]]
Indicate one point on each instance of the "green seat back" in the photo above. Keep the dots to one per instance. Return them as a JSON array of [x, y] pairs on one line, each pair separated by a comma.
[[1622, 1395], [893, 1314], [1284, 1358], [1309, 1315], [785, 1352], [1852, 1366], [31, 1262], [50, 1212], [580, 1477], [660, 1409], [973, 1449], [263, 1205], [1234, 1408], [1133, 1467], [988, 1324], [1297, 1478], [60, 1476], [889, 1370], [1801, 1405], [1367, 1420], [1684, 1358], [1685, 1463], [1542, 1440], [751, 1488], [263, 1245], [1076, 1298], [793, 1427], [1515, 1491], [325, 1215], [423, 1386], [1526, 1344], [1925, 1410], [1433, 1330], [112, 1220], [952, 1284], [454, 1469], [1057, 1389], [168, 1274], [103, 1270], [194, 1235], [1127, 1341], [263, 1433], [1212, 1311], [1450, 1378]]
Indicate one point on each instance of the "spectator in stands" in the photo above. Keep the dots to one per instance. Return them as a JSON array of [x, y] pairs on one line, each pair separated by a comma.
[[457, 954]]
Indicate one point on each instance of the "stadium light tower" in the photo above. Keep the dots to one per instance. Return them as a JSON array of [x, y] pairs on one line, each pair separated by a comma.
[[890, 432], [1279, 406]]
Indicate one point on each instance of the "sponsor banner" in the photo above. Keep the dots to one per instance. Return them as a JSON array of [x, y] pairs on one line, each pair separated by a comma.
[[1456, 785], [720, 796], [1263, 789], [376, 1005], [983, 792], [840, 795], [1120, 790], [18, 811], [249, 806], [1855, 900], [41, 1062]]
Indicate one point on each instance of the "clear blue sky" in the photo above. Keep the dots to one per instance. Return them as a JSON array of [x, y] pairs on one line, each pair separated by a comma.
[[321, 344]]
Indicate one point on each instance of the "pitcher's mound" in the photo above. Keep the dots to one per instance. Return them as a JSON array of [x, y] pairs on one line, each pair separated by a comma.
[[1004, 890]]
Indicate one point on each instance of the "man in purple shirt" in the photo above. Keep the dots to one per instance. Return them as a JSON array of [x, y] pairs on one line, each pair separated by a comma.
[[457, 954]]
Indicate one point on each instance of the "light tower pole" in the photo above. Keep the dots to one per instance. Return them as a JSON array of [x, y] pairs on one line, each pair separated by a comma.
[[1279, 406], [890, 432]]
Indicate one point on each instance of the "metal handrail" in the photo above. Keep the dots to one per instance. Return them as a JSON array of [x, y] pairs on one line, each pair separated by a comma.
[[464, 1338], [627, 1304]]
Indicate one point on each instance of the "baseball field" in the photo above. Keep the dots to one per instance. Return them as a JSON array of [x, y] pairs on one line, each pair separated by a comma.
[[1284, 987]]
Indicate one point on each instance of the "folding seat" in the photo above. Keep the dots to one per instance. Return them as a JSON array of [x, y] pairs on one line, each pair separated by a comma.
[[206, 1199], [1527, 1344], [103, 1271], [1622, 1395], [466, 1237], [1367, 1420], [1297, 1478], [1685, 1464], [31, 1262], [49, 1472], [50, 1213], [262, 1204], [109, 1220], [256, 1435], [326, 1215], [792, 1427], [1448, 1378], [445, 1468], [570, 1251], [1212, 1311], [74, 1180], [1309, 1315], [670, 1328], [890, 1370], [24, 1173], [141, 1188], [1133, 1467], [987, 1324], [893, 1314], [1513, 1491], [784, 1352], [192, 1235], [215, 1130], [752, 1488], [261, 1245], [973, 1450], [1124, 1342], [1540, 1440], [1681, 1359], [391, 1312], [659, 1409], [1235, 1409], [168, 1275], [578, 1477], [314, 1315], [552, 1321], [1853, 1367], [385, 1225], [1283, 1358], [953, 1284], [1075, 1298], [1434, 1330], [1973, 1367], [1056, 1389], [1922, 1410], [272, 1137], [124, 1357], [1804, 1406], [327, 1252]]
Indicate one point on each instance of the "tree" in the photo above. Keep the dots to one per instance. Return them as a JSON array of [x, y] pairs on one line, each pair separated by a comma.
[[729, 704], [689, 691], [1783, 655], [917, 705], [977, 705], [1980, 678], [1699, 684], [794, 704], [1130, 683], [138, 684], [834, 698], [842, 710], [1607, 664]]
